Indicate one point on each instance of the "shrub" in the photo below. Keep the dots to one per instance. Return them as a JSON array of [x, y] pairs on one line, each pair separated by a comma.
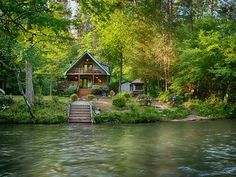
[[91, 97], [175, 113], [112, 93], [176, 99], [133, 105], [39, 100], [211, 107], [97, 89], [154, 93], [74, 97], [72, 89], [55, 99], [164, 96], [119, 101], [6, 100], [127, 95], [140, 115], [144, 100], [108, 117]]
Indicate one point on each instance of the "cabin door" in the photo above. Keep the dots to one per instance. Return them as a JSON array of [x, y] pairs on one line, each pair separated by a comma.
[[85, 83]]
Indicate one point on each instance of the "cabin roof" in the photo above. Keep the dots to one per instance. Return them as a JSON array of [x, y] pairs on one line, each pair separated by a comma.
[[104, 67]]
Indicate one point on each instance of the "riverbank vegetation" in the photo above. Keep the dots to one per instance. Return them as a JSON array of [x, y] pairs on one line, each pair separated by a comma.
[[127, 109], [183, 51], [47, 110]]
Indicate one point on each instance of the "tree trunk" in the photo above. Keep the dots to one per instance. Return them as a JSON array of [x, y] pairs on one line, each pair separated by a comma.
[[50, 89], [23, 94], [212, 7], [29, 83], [121, 69]]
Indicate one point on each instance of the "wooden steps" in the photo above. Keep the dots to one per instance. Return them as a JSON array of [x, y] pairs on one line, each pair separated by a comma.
[[79, 112]]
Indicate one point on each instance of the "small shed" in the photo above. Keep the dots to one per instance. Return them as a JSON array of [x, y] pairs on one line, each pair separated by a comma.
[[137, 87], [125, 87]]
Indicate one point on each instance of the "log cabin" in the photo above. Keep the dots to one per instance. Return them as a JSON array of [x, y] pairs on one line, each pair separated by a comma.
[[87, 73]]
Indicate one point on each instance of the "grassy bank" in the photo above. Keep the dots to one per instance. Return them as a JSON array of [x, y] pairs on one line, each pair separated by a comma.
[[130, 110], [46, 110], [142, 114]]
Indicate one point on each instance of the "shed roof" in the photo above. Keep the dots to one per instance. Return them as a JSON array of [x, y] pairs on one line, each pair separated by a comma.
[[137, 81]]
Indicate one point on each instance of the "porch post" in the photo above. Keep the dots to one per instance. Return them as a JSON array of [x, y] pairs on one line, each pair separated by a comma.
[[78, 80], [93, 75]]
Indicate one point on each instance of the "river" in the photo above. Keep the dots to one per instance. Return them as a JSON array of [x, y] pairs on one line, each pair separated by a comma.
[[203, 148]]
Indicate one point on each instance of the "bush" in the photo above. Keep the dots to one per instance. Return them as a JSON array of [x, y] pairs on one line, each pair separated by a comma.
[[140, 115], [175, 113], [6, 100], [176, 99], [55, 99], [49, 112], [164, 96], [39, 100], [127, 95], [154, 93], [97, 89], [211, 107], [72, 89], [119, 101], [74, 97], [108, 117], [112, 93], [91, 96], [144, 100]]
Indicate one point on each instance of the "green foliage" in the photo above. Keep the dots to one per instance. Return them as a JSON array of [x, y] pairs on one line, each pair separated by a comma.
[[119, 101], [6, 100], [206, 64], [175, 113], [50, 112], [154, 93], [97, 89], [91, 97], [39, 101], [140, 115], [127, 95], [112, 93], [55, 99], [74, 97], [144, 99], [72, 89], [164, 96], [212, 107]]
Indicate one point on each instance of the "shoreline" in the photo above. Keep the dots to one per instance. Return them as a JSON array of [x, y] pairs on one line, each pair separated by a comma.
[[190, 118]]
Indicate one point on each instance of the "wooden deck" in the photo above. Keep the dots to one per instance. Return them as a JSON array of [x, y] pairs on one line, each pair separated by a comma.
[[83, 92]]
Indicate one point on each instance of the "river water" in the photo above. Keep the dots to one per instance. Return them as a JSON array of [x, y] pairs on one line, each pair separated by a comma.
[[204, 148]]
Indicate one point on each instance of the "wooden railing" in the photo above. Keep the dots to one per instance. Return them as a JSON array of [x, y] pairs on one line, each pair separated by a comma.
[[83, 71]]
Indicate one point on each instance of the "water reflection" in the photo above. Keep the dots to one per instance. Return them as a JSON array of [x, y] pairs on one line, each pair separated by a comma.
[[167, 149]]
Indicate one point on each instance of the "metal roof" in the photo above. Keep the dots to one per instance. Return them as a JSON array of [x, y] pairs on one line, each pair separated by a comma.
[[137, 81]]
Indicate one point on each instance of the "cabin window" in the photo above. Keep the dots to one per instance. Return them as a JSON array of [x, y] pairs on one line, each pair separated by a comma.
[[88, 67]]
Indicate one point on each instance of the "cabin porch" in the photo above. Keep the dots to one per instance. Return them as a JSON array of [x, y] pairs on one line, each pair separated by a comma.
[[85, 83]]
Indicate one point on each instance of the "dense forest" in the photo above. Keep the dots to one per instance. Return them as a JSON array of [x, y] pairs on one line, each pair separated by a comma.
[[186, 47]]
